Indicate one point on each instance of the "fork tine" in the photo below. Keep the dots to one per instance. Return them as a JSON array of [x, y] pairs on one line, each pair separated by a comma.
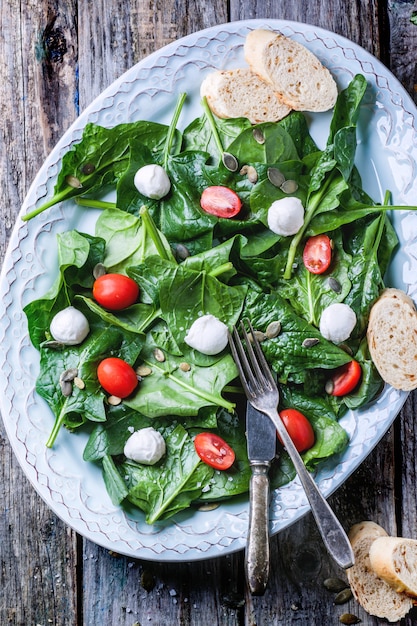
[[260, 360], [253, 359], [241, 360]]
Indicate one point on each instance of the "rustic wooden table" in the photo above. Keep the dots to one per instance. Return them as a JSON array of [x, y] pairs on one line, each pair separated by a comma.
[[55, 58]]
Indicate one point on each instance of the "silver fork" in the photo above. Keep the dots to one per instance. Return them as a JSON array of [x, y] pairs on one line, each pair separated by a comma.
[[262, 392]]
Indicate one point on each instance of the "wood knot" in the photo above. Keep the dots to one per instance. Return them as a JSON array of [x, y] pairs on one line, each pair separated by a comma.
[[52, 45]]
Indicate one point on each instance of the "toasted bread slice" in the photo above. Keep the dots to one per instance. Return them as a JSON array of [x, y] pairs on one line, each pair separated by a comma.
[[240, 93], [294, 72], [375, 595], [392, 338], [394, 559]]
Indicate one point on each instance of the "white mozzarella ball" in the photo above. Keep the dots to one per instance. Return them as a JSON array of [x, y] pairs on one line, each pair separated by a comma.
[[152, 181], [69, 326], [286, 216], [146, 446], [208, 335], [337, 322]]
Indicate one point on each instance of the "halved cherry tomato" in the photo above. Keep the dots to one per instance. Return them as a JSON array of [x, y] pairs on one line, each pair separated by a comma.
[[220, 201], [117, 377], [299, 429], [345, 379], [317, 254], [214, 451], [115, 291]]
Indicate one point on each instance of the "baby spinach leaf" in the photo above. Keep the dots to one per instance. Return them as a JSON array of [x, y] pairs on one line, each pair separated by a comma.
[[78, 254], [277, 146], [134, 319], [296, 126], [286, 354], [235, 481], [128, 241], [88, 403], [171, 391], [330, 437], [162, 494], [115, 485], [101, 157], [309, 293], [198, 135]]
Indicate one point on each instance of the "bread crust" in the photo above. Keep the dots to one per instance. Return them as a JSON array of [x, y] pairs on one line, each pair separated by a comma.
[[394, 559], [375, 595], [295, 72], [392, 338]]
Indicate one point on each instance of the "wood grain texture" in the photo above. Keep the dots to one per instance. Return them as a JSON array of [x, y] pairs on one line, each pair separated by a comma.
[[56, 57]]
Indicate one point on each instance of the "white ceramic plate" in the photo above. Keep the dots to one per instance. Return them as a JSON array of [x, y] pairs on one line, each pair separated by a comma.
[[73, 489]]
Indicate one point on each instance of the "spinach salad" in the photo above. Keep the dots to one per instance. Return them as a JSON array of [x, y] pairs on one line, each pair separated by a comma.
[[188, 263]]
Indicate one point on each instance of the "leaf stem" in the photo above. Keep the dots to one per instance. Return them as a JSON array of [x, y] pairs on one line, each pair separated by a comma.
[[153, 233], [63, 195], [95, 204], [213, 126], [172, 128], [309, 214], [55, 430], [221, 269], [211, 399]]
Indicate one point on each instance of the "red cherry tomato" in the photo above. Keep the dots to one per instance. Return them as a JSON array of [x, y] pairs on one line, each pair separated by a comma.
[[220, 201], [299, 429], [214, 451], [117, 377], [317, 254], [345, 379], [115, 291]]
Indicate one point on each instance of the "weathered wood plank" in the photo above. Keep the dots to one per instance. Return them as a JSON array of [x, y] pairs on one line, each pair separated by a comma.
[[358, 21], [57, 57], [38, 553]]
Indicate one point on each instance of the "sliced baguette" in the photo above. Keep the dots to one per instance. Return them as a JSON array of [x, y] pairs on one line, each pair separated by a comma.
[[240, 93], [295, 73], [375, 595], [392, 338], [394, 559]]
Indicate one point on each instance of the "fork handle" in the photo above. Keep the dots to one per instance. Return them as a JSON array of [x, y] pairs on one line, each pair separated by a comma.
[[257, 546], [331, 531]]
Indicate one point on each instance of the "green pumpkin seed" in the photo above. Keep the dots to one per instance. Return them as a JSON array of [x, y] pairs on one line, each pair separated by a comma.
[[258, 135], [349, 618], [210, 506], [79, 383], [343, 596], [273, 330], [143, 370], [147, 580], [230, 162], [74, 182], [275, 177], [88, 168], [310, 342], [69, 375], [114, 400], [159, 355], [182, 252], [99, 270], [289, 186], [334, 584], [66, 388], [334, 284], [329, 386], [259, 336]]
